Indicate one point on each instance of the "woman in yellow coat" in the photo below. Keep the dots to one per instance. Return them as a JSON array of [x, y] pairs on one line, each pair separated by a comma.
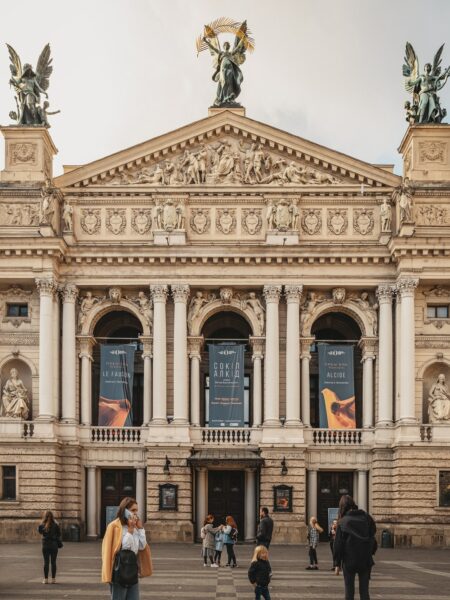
[[127, 534]]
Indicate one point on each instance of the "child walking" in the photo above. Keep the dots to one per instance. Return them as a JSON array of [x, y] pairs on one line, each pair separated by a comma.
[[314, 530], [219, 539], [259, 573]]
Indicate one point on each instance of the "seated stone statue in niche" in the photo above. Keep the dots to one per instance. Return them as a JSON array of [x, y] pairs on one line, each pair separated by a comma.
[[15, 397], [439, 401]]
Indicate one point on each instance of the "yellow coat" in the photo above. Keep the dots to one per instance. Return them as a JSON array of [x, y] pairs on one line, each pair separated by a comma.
[[111, 546]]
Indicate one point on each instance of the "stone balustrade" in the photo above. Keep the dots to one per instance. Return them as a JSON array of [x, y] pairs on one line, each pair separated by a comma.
[[224, 436], [337, 437], [115, 435]]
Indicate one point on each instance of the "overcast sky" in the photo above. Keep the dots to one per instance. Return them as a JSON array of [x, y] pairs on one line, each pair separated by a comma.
[[126, 70]]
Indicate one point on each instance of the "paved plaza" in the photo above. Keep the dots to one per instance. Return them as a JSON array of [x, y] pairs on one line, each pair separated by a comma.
[[178, 573]]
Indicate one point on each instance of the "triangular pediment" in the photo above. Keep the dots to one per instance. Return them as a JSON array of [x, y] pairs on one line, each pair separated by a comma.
[[227, 149]]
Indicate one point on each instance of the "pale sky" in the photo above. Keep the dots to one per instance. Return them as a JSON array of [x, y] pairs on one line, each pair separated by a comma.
[[126, 70]]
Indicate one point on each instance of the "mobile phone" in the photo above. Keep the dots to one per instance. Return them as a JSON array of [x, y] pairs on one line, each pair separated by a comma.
[[128, 514]]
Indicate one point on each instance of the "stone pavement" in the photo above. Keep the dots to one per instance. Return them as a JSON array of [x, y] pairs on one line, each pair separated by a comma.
[[398, 575]]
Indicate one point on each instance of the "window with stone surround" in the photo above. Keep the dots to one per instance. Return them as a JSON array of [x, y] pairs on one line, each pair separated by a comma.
[[444, 488], [17, 309], [438, 311], [8, 482]]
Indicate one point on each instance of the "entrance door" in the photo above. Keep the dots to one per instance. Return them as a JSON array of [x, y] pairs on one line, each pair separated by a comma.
[[116, 484], [226, 497], [331, 486]]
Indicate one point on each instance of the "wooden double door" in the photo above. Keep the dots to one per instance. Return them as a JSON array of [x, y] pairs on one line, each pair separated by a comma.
[[116, 485], [226, 496], [331, 485]]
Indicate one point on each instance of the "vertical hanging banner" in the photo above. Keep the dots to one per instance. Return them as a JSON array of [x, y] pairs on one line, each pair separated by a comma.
[[116, 385], [226, 385], [336, 387]]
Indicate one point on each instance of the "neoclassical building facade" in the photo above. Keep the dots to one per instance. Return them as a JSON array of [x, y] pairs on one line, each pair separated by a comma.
[[226, 230]]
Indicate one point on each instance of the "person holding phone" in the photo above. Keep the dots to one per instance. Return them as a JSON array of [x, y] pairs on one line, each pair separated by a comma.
[[125, 536]]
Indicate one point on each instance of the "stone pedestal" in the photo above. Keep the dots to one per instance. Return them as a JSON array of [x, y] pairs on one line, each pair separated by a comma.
[[281, 238], [406, 230], [169, 238], [237, 110], [29, 154], [426, 152]]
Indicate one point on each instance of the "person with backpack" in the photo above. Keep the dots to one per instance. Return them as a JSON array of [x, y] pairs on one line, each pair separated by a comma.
[[125, 553], [265, 528], [314, 530], [354, 547], [219, 537], [230, 538], [51, 542], [259, 572], [209, 540]]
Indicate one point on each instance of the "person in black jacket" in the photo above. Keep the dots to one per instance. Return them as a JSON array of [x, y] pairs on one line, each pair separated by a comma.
[[259, 572], [265, 528], [354, 547], [51, 541]]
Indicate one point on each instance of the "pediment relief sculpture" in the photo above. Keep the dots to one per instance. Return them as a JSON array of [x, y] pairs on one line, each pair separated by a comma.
[[15, 397]]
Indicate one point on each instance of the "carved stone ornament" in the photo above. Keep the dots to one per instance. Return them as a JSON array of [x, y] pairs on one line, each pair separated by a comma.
[[69, 292], [338, 295], [15, 294], [23, 153], [406, 287], [19, 215], [253, 303], [115, 295], [14, 397], [145, 307], [431, 215], [363, 221], [312, 221], [438, 292], [283, 216], [252, 220], [407, 162], [363, 302], [385, 292], [46, 286], [87, 303], [116, 220], [200, 220], [226, 220], [90, 220], [337, 221], [226, 295], [169, 216], [293, 293], [180, 292], [199, 300], [159, 292], [433, 152], [272, 293], [141, 220]]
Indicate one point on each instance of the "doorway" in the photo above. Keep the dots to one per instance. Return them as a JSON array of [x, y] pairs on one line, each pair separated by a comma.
[[116, 484], [226, 496], [331, 486]]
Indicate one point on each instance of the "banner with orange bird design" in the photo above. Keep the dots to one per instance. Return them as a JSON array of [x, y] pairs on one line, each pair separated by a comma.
[[336, 387]]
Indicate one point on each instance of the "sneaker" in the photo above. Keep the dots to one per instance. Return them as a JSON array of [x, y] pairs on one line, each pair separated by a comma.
[[53, 580], [214, 566], [45, 581], [205, 564], [310, 568]]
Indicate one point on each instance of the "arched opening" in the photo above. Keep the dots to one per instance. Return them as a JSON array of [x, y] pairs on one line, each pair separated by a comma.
[[119, 327], [436, 395], [335, 328], [17, 401], [226, 327]]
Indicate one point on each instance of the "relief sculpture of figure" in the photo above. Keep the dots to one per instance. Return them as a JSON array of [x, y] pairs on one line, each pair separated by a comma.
[[15, 397], [68, 217], [403, 195], [226, 61], [439, 401], [47, 203], [146, 308], [255, 305], [87, 303], [386, 216], [197, 303]]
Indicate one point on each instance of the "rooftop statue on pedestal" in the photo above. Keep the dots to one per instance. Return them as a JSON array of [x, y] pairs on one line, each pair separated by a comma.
[[227, 72], [425, 107], [29, 86]]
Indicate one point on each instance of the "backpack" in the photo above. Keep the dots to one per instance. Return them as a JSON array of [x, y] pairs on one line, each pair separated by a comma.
[[234, 534], [125, 571]]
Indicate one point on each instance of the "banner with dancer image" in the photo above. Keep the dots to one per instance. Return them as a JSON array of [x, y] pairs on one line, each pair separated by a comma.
[[226, 391], [336, 387], [115, 404]]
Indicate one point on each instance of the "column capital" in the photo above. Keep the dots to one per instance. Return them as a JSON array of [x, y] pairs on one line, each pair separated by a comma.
[[384, 293], [147, 346], [258, 345], [305, 344], [87, 343], [69, 292], [180, 292], [46, 285], [406, 286], [272, 293], [293, 293], [159, 292], [368, 346], [195, 345]]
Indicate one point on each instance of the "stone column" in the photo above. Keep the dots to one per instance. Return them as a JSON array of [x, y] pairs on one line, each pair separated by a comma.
[[406, 289], [86, 344], [250, 504], [195, 346], [47, 288], [398, 352], [91, 509], [272, 358], [385, 356], [147, 396], [362, 489], [368, 350], [159, 296], [312, 493], [305, 358], [56, 333], [257, 357], [293, 296], [69, 354], [201, 494], [140, 493], [180, 293]]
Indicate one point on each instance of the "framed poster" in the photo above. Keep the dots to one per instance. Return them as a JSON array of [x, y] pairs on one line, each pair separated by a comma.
[[168, 497], [282, 498]]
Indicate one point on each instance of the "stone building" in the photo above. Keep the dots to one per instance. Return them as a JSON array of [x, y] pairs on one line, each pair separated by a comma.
[[226, 229]]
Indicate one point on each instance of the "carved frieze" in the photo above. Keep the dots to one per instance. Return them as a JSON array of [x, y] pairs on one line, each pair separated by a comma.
[[337, 220], [116, 220], [431, 215], [312, 221], [363, 221], [141, 220], [226, 220], [433, 151], [19, 215], [200, 220], [23, 153], [251, 220], [90, 220]]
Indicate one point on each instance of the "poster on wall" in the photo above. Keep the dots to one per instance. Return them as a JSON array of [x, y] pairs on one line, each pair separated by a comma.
[[116, 385], [336, 387], [226, 385]]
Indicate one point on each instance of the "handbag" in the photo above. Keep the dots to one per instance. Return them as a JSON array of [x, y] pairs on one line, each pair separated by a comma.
[[60, 544], [125, 571]]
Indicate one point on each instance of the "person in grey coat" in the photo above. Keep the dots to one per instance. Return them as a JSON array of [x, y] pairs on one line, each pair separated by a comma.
[[209, 541]]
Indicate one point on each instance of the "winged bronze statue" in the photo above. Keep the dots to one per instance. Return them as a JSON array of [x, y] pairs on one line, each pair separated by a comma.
[[226, 61], [28, 86], [425, 107]]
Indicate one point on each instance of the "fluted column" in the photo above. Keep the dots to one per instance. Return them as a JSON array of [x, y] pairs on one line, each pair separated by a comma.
[[305, 358], [293, 296], [91, 498], [195, 347], [69, 294], [140, 493], [250, 504], [47, 288], [362, 489], [368, 356], [201, 498], [385, 356], [180, 293], [159, 296], [257, 358], [398, 352], [312, 493], [406, 288], [272, 359], [147, 353], [86, 345]]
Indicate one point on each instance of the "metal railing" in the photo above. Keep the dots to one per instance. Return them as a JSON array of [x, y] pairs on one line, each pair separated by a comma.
[[116, 435]]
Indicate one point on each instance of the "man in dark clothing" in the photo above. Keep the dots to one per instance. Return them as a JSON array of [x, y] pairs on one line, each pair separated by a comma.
[[354, 547], [265, 528]]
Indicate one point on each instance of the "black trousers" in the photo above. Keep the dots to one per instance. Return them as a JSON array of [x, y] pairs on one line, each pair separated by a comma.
[[230, 553], [349, 579], [49, 554], [312, 556]]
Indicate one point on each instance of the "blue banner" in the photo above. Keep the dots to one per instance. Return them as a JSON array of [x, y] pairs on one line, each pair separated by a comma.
[[226, 385], [336, 387], [116, 385]]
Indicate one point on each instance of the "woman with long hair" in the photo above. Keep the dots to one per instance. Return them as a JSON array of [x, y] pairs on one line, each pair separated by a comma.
[[123, 535], [314, 530], [259, 572], [51, 541], [230, 538]]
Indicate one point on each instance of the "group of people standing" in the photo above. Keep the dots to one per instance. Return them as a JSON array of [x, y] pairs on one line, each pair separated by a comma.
[[215, 538]]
